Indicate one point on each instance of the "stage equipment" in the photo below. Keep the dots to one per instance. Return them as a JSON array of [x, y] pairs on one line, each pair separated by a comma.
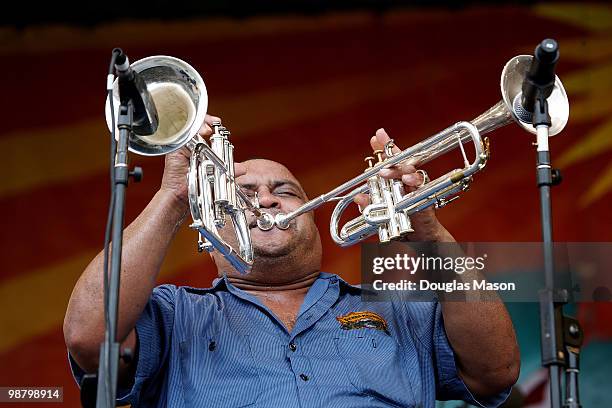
[[389, 209], [561, 336], [181, 101]]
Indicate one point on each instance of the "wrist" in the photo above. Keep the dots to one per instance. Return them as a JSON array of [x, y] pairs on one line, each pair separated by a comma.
[[177, 207], [441, 234]]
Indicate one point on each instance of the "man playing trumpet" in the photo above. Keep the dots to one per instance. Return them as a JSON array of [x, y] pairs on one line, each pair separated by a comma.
[[286, 334]]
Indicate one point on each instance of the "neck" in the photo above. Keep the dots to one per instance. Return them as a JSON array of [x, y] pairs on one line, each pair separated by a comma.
[[299, 284]]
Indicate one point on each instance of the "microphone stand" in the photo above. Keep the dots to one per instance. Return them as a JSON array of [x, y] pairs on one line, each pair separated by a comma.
[[109, 350], [104, 384], [561, 335]]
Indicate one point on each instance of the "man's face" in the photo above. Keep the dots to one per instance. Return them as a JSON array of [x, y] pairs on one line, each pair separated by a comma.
[[278, 191]]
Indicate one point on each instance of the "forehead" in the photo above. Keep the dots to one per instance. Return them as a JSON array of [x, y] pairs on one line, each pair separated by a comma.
[[262, 171]]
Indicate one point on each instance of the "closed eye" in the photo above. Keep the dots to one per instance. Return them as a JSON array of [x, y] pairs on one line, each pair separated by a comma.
[[287, 193]]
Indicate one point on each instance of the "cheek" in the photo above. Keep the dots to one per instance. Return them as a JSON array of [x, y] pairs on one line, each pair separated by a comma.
[[307, 224], [291, 204]]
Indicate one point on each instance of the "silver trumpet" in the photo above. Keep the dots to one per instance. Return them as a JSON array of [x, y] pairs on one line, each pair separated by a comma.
[[181, 100], [389, 209]]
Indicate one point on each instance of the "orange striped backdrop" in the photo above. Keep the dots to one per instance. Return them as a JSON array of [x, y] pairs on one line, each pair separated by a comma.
[[306, 91]]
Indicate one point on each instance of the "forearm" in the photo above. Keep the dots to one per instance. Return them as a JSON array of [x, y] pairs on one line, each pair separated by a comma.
[[483, 339], [146, 241], [481, 334]]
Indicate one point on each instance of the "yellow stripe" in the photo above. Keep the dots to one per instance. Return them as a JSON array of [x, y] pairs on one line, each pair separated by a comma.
[[35, 303], [594, 79], [282, 107], [595, 17], [67, 153], [598, 141], [601, 186], [38, 158], [53, 38], [591, 48], [592, 107]]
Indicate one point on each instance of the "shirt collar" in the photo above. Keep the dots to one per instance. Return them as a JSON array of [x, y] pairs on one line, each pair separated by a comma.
[[344, 285], [223, 283]]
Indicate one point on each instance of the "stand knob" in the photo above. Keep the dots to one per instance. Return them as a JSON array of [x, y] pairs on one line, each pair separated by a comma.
[[136, 174], [127, 355], [556, 177]]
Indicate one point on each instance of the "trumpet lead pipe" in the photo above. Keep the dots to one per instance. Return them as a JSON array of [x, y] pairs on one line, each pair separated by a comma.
[[416, 155]]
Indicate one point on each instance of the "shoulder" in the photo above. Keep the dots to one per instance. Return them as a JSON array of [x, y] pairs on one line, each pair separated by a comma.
[[173, 295]]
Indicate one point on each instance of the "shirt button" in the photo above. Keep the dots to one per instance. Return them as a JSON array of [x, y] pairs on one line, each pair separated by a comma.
[[292, 346], [304, 377]]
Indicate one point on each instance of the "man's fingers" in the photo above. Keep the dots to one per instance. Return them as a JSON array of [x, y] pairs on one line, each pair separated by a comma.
[[375, 144], [413, 179], [397, 171], [362, 200], [206, 128], [185, 151], [382, 137], [239, 169], [408, 174], [210, 119]]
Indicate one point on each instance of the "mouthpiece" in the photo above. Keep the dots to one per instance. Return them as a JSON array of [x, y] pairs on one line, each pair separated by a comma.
[[265, 222], [282, 221]]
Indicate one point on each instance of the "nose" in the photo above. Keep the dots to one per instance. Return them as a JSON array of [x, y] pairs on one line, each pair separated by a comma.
[[267, 199]]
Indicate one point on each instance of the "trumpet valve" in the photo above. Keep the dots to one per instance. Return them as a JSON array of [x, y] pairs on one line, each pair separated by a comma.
[[389, 148], [379, 155], [219, 219], [405, 226], [383, 234], [370, 161], [210, 171]]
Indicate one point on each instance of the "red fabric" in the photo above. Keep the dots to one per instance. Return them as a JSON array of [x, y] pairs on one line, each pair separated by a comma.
[[413, 73]]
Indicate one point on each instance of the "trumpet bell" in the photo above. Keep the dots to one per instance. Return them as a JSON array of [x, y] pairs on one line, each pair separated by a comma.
[[511, 84], [180, 97]]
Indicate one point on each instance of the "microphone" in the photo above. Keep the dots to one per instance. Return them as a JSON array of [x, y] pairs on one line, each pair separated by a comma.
[[539, 78], [132, 88]]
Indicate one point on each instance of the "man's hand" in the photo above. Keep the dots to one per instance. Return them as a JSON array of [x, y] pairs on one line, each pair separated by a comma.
[[425, 224], [174, 180]]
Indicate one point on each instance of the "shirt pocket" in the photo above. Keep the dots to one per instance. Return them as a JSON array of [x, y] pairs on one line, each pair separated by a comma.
[[374, 366], [219, 371]]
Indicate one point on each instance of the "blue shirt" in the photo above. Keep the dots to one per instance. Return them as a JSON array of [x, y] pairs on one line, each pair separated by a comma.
[[222, 347]]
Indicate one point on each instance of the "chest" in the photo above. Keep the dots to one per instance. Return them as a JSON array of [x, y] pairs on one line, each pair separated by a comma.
[[347, 367], [285, 308], [285, 312]]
